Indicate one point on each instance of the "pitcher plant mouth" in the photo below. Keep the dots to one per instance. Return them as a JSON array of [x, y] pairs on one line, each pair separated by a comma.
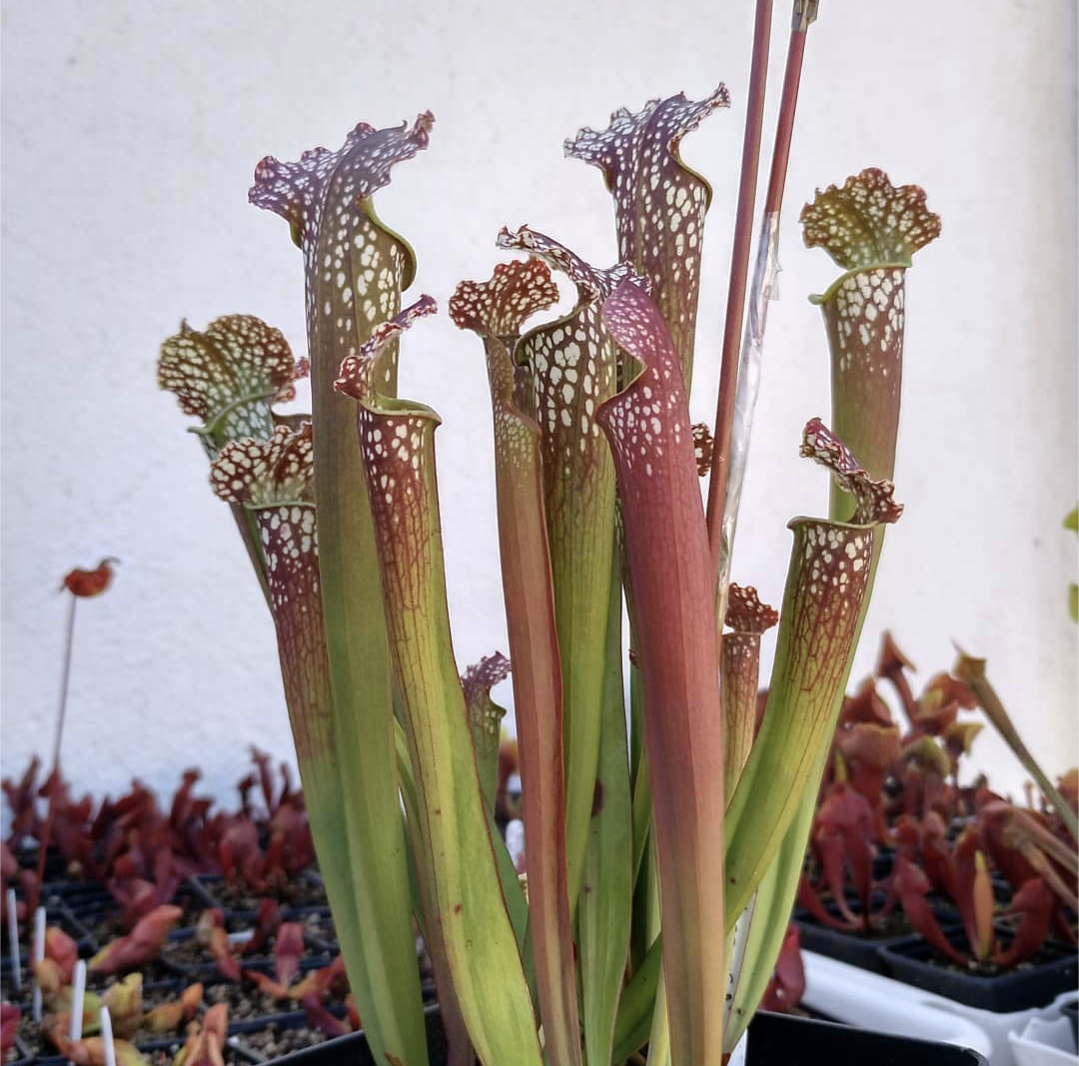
[[871, 229]]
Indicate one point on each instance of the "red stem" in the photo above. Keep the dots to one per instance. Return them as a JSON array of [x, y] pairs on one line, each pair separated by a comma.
[[788, 104], [736, 290], [53, 784], [728, 375]]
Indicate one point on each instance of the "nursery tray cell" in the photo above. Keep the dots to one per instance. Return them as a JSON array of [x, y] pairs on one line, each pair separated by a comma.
[[163, 1052], [274, 1041], [1033, 983], [18, 1054], [861, 949], [183, 954], [250, 1009], [303, 891], [101, 915], [352, 1050]]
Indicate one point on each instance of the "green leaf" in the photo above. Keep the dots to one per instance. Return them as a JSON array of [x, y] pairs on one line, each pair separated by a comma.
[[651, 439], [873, 229], [273, 480], [636, 1006], [496, 310], [970, 669], [397, 443], [603, 913], [767, 918], [355, 269], [570, 366], [485, 717], [827, 581]]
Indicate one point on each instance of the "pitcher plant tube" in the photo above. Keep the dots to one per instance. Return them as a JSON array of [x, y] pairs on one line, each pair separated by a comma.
[[658, 820]]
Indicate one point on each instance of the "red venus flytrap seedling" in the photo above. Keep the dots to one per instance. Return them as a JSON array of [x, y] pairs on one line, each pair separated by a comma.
[[644, 845], [1031, 905]]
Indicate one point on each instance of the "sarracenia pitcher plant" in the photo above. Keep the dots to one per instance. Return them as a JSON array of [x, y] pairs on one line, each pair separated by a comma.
[[664, 832]]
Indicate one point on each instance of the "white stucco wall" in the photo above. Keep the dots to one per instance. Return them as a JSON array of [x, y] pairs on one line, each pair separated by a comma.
[[130, 132]]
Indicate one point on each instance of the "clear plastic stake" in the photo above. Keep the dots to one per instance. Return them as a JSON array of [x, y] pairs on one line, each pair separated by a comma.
[[106, 1037], [36, 956], [13, 940], [78, 998]]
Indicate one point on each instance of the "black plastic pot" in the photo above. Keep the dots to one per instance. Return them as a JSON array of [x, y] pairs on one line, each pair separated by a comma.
[[774, 1040], [783, 1040], [1032, 984]]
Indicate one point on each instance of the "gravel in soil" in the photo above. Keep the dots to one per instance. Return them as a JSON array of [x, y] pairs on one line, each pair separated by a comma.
[[894, 926], [296, 893], [321, 927], [988, 969], [153, 972], [29, 1034], [14, 1054], [234, 1054], [274, 1040], [188, 952], [245, 1001], [104, 923]]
